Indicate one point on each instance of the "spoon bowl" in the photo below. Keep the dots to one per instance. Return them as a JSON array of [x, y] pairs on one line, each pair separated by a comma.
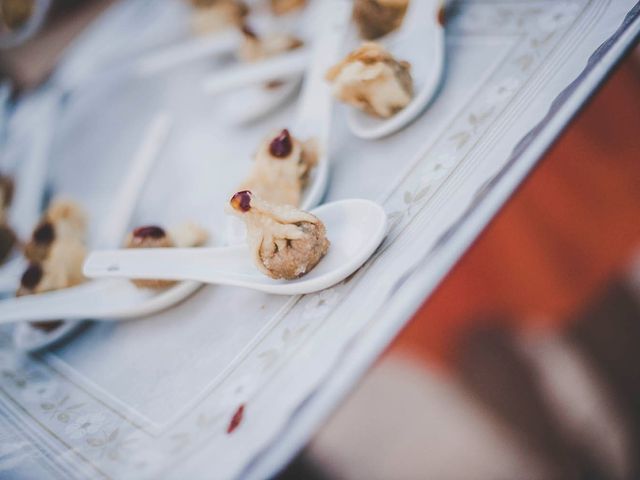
[[246, 105], [355, 228]]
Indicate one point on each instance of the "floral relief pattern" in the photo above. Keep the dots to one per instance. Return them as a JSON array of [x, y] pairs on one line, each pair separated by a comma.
[[62, 410], [84, 425], [115, 444], [541, 25]]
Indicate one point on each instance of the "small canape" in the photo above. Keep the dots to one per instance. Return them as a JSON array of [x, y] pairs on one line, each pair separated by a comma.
[[281, 169], [371, 79], [285, 242]]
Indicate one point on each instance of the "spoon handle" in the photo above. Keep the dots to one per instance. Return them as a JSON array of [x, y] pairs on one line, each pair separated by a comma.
[[10, 274], [209, 265], [174, 56], [314, 110], [56, 304], [114, 228], [282, 67], [421, 16]]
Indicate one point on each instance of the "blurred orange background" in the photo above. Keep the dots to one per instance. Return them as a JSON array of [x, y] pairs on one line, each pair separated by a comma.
[[571, 227], [524, 362]]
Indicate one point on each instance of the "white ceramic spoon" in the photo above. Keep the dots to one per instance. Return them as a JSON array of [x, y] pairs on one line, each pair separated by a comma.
[[244, 99], [313, 116], [27, 337], [245, 105], [111, 299], [355, 228], [422, 26], [286, 66], [244, 81], [218, 44], [209, 46], [239, 90], [27, 154], [261, 101]]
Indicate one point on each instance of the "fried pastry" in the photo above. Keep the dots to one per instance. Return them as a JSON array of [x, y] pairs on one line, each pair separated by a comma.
[[371, 79], [376, 18], [152, 236], [282, 7], [56, 249], [286, 243], [63, 221], [281, 169], [210, 16], [255, 47], [62, 268]]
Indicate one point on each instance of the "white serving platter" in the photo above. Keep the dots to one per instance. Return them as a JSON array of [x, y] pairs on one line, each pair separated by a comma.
[[155, 397]]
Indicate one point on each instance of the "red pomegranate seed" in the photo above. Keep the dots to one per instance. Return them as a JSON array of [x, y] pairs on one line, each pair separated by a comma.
[[236, 419]]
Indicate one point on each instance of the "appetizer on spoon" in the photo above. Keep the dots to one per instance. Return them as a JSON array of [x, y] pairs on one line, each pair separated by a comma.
[[289, 252], [44, 332], [100, 299], [390, 82], [42, 306], [292, 165], [215, 27], [293, 251], [220, 29]]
